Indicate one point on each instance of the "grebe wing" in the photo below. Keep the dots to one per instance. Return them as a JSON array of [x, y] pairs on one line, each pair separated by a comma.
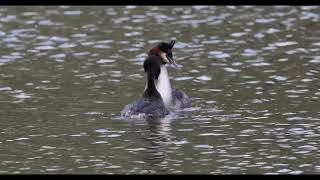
[[180, 99]]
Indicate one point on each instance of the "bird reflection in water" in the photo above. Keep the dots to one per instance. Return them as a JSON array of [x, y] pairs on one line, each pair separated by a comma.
[[154, 136], [158, 140]]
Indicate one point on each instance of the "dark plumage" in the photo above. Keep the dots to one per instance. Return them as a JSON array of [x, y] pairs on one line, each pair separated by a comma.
[[180, 99], [146, 107]]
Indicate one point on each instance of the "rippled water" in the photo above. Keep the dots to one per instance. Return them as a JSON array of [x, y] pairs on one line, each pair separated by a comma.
[[252, 74]]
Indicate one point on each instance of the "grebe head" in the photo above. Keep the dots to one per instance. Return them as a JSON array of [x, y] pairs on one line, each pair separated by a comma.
[[164, 50]]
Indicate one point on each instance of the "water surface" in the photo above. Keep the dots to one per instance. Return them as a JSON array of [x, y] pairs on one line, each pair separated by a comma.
[[252, 74]]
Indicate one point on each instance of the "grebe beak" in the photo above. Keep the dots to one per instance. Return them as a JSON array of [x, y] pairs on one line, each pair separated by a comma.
[[168, 60]]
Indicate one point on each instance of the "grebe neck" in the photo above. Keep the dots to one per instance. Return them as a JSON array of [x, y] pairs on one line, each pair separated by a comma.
[[151, 90]]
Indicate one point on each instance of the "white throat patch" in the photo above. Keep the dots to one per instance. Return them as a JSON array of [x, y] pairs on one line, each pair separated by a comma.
[[164, 87]]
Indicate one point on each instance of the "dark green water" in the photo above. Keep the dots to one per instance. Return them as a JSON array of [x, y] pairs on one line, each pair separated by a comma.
[[252, 74]]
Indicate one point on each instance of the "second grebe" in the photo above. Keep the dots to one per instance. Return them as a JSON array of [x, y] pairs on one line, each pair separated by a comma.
[[172, 98]]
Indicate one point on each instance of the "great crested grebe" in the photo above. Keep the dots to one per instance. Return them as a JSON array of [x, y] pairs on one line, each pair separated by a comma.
[[158, 97], [172, 98], [151, 104]]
